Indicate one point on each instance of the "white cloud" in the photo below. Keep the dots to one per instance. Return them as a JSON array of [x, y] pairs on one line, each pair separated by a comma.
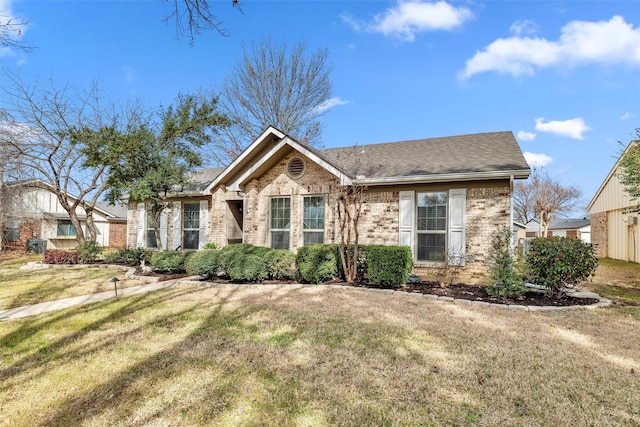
[[573, 128], [627, 116], [581, 42], [408, 18], [537, 160], [527, 27], [329, 104], [526, 136]]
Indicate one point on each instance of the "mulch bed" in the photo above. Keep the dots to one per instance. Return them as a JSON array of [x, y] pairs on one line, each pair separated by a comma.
[[479, 293], [456, 291]]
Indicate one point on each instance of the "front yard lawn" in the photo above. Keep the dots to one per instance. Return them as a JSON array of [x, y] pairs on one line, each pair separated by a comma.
[[199, 355], [25, 287]]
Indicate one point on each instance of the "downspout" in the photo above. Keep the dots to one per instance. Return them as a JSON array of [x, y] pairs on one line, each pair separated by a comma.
[[511, 179]]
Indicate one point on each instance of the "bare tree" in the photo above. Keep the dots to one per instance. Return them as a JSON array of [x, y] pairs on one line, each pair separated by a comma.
[[44, 145], [273, 85], [192, 17], [543, 197], [11, 30]]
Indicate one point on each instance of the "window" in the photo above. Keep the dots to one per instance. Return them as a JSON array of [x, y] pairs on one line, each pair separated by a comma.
[[191, 226], [432, 226], [313, 220], [12, 230], [65, 228], [152, 240], [280, 222]]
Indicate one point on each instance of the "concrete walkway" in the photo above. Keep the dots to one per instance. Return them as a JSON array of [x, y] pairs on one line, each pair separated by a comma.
[[45, 307]]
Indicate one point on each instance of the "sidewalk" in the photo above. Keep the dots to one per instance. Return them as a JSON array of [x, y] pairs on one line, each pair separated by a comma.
[[45, 307]]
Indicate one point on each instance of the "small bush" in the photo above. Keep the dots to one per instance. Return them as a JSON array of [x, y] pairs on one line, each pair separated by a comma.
[[60, 256], [247, 268], [89, 251], [229, 252], [389, 266], [317, 263], [504, 280], [558, 263], [169, 261], [205, 263], [280, 264], [210, 245], [448, 269], [128, 256]]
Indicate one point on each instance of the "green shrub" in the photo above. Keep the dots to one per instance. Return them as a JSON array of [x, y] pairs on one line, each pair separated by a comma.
[[169, 261], [389, 266], [205, 263], [504, 281], [280, 264], [317, 263], [361, 269], [89, 251], [247, 268], [128, 256], [210, 245], [558, 263], [229, 252]]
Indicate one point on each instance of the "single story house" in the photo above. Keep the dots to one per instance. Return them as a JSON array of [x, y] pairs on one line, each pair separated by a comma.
[[438, 196], [575, 228], [615, 233], [32, 210]]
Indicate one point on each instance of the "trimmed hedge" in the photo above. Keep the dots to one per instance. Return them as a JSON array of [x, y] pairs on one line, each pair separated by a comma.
[[128, 256], [558, 263], [389, 266], [318, 263], [205, 263], [280, 264], [247, 268], [229, 252], [170, 261], [61, 256]]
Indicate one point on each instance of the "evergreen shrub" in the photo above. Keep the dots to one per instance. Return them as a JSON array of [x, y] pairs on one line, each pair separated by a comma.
[[389, 266]]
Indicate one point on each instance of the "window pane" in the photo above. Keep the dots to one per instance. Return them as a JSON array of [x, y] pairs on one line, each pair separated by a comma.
[[191, 239], [313, 237], [12, 235], [313, 218], [191, 215], [280, 213], [65, 228], [152, 242], [280, 240], [431, 247], [432, 211]]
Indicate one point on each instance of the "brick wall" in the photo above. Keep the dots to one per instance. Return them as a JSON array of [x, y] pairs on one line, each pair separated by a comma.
[[599, 234], [29, 228], [117, 234]]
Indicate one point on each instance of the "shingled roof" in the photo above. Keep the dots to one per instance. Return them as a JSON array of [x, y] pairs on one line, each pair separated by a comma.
[[474, 154]]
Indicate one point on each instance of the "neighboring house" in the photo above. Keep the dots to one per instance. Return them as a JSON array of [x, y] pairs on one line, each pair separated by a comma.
[[519, 231], [437, 196], [35, 212], [615, 232], [575, 228]]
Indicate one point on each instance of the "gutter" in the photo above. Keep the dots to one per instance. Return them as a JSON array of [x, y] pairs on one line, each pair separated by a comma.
[[463, 176]]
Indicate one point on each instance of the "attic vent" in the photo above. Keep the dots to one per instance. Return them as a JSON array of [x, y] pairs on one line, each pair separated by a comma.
[[296, 168]]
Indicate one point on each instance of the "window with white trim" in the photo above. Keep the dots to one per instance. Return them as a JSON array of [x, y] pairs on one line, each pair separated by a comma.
[[431, 226], [65, 228], [191, 225], [313, 220], [152, 240], [280, 222]]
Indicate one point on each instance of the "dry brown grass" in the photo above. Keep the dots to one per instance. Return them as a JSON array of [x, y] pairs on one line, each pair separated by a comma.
[[196, 355], [25, 287]]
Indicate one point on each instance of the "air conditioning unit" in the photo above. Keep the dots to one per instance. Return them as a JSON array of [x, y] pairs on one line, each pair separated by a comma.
[[633, 220]]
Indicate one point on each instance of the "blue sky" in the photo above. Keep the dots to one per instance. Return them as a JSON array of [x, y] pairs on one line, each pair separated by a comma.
[[564, 76]]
